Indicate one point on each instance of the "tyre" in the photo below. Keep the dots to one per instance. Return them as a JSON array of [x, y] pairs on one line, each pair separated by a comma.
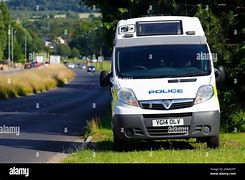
[[104, 78], [213, 142], [119, 145]]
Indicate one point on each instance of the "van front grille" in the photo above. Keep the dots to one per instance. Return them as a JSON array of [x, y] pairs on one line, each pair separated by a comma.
[[159, 104]]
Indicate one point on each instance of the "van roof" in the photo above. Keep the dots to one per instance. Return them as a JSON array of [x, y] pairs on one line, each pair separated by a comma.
[[159, 30]]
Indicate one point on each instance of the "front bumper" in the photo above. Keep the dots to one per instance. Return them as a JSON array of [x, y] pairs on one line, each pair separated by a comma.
[[139, 127]]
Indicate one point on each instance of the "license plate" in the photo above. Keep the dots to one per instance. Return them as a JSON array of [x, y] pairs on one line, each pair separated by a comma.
[[168, 122]]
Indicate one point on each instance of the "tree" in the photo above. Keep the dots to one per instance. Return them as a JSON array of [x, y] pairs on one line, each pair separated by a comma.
[[214, 33], [88, 37], [4, 22], [74, 53], [60, 5], [2, 37], [18, 53], [63, 50]]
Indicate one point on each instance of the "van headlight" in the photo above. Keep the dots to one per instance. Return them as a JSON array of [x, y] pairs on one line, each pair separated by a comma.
[[127, 96], [204, 93]]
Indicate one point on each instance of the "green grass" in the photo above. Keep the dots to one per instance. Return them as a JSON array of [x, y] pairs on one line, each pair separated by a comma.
[[231, 150], [34, 80], [103, 66]]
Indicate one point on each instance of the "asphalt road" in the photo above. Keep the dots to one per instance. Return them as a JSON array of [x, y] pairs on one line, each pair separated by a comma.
[[12, 71], [51, 124]]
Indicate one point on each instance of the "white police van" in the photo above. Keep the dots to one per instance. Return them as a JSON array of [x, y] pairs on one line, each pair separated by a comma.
[[163, 81]]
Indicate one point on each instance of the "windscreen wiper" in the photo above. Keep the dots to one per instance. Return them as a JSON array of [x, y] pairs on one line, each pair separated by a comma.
[[152, 77], [192, 74]]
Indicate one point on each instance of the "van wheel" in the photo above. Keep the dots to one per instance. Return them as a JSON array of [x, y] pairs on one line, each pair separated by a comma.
[[119, 145], [213, 141]]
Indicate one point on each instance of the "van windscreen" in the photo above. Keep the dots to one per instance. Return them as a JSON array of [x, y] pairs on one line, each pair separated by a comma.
[[163, 61], [159, 28]]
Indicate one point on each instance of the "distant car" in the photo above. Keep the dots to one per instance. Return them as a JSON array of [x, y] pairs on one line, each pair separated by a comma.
[[82, 66], [33, 64], [27, 65], [94, 60], [71, 66], [91, 69], [46, 63]]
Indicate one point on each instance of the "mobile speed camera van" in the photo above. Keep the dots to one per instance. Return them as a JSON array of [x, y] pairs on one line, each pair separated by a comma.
[[163, 82]]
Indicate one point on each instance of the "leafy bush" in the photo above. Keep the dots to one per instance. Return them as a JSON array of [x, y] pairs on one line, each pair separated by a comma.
[[237, 121]]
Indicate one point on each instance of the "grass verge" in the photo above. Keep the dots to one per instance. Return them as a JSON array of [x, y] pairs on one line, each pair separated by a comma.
[[34, 80], [103, 66], [232, 149]]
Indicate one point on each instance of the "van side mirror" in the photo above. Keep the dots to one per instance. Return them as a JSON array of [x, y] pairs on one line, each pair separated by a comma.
[[219, 74], [105, 78]]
